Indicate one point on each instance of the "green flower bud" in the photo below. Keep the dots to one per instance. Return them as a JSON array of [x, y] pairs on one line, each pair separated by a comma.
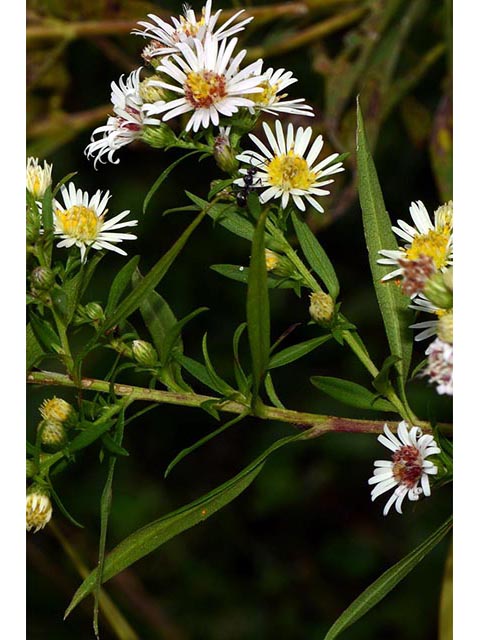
[[30, 468], [53, 435], [158, 136], [58, 410], [277, 264], [223, 153], [94, 311], [144, 353], [39, 508], [445, 327], [321, 308], [438, 292], [42, 279]]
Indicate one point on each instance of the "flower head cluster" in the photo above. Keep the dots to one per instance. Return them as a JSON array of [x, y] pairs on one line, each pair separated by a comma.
[[425, 268], [408, 471]]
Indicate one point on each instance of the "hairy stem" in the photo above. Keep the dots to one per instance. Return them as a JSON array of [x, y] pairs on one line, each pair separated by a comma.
[[298, 419]]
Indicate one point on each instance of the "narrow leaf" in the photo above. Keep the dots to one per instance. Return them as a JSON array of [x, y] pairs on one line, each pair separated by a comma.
[[226, 216], [240, 274], [258, 308], [379, 235], [120, 283], [151, 280], [316, 256], [174, 333], [296, 351], [162, 177], [351, 393], [35, 352], [200, 372], [386, 582], [271, 393], [148, 538], [44, 333]]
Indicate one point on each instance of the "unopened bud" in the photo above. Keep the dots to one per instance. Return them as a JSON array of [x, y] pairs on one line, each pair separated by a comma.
[[158, 136], [448, 279], [53, 435], [31, 468], [437, 291], [144, 353], [444, 215], [39, 508], [38, 178], [58, 410], [321, 308], [223, 152], [445, 327], [42, 278], [279, 265], [148, 53], [151, 93], [94, 311]]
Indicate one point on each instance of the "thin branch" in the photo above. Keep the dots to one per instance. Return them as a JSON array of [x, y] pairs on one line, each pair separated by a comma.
[[299, 419]]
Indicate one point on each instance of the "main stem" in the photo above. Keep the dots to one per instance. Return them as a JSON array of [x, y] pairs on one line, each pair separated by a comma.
[[299, 419]]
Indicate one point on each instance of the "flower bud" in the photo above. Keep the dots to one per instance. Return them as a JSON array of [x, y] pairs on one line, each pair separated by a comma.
[[31, 468], [42, 279], [39, 508], [94, 311], [158, 136], [53, 435], [150, 93], [223, 152], [444, 215], [321, 308], [38, 178], [438, 292], [58, 410], [144, 353], [149, 51], [279, 265], [445, 327], [448, 279]]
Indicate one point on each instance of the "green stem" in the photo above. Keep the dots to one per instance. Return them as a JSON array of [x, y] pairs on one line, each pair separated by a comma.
[[62, 333], [299, 419]]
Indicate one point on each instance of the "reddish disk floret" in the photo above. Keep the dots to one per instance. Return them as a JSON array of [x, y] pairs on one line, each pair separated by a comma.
[[407, 466]]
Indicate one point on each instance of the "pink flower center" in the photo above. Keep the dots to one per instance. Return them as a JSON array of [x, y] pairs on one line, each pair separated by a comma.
[[407, 466]]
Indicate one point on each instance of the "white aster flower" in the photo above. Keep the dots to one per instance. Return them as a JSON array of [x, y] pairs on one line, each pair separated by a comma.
[[422, 303], [38, 178], [271, 99], [408, 470], [440, 366], [283, 171], [39, 509], [185, 29], [432, 240], [208, 82], [80, 221], [127, 123]]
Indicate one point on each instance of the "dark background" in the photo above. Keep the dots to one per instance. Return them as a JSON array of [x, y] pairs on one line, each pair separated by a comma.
[[286, 557]]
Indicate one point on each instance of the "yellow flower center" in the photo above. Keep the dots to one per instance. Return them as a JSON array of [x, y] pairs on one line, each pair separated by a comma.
[[80, 222], [271, 260], [204, 88], [266, 96], [433, 244], [290, 171], [190, 29]]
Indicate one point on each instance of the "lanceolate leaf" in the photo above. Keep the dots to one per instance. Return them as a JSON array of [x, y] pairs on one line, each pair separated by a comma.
[[145, 540], [258, 308], [162, 177], [225, 215], [121, 281], [151, 280], [296, 351], [34, 350], [387, 581], [379, 235], [316, 256], [240, 274], [351, 393]]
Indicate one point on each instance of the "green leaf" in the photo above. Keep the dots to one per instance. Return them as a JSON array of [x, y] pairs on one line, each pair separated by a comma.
[[62, 507], [379, 235], [65, 179], [151, 280], [316, 256], [386, 582], [381, 382], [157, 315], [148, 538], [271, 393], [200, 372], [173, 334], [121, 281], [258, 308], [44, 333], [219, 186], [112, 447], [75, 287], [226, 216], [240, 377], [163, 176], [93, 431], [295, 352], [351, 393], [185, 452], [225, 388], [240, 274], [35, 352]]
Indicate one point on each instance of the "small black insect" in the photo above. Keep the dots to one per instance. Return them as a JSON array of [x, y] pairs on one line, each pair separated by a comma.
[[243, 192]]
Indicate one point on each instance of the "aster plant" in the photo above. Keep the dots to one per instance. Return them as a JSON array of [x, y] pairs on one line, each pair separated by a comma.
[[195, 95]]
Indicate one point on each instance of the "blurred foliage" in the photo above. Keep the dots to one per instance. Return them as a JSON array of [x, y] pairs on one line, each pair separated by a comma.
[[291, 553]]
